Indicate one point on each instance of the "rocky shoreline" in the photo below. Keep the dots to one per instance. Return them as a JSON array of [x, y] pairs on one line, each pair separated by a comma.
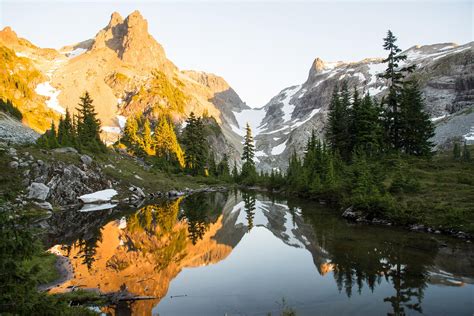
[[359, 217]]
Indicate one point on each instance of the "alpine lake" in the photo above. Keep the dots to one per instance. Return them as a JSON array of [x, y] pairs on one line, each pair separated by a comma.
[[242, 253]]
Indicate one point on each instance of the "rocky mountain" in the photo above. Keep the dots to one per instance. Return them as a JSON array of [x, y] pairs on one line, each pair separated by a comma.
[[126, 71], [445, 72]]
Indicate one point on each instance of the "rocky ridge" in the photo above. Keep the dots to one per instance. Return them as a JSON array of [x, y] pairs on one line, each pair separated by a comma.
[[445, 72]]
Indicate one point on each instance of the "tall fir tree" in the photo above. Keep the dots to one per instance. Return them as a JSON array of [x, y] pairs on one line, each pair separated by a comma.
[[248, 175], [337, 130], [195, 145], [367, 129], [416, 126], [88, 125], [394, 74], [66, 132], [147, 141], [165, 143]]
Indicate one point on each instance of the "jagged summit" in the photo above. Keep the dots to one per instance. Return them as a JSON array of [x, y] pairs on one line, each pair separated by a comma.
[[130, 40]]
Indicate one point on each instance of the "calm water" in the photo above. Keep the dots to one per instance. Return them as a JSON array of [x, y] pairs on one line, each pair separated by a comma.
[[244, 254]]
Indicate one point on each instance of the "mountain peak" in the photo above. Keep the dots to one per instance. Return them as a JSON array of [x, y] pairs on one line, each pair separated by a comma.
[[115, 19], [130, 40]]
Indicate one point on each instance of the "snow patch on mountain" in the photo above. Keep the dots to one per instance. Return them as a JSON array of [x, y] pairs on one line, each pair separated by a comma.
[[47, 90], [253, 117], [279, 149], [287, 107]]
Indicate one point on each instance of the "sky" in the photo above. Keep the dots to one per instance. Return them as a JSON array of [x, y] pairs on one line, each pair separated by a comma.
[[260, 47]]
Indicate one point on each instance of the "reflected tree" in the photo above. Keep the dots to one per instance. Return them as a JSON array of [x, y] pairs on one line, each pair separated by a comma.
[[249, 205]]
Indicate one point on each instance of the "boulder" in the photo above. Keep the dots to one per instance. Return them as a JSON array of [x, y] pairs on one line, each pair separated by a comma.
[[38, 191], [86, 160], [14, 164], [44, 205]]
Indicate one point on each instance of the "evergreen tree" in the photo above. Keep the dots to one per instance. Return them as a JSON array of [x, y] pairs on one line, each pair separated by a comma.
[[249, 148], [456, 151], [235, 172], [66, 133], [466, 154], [416, 126], [223, 167], [367, 128], [88, 126], [196, 147], [165, 143], [394, 76], [49, 138], [212, 167], [338, 133], [130, 134], [249, 175], [147, 141]]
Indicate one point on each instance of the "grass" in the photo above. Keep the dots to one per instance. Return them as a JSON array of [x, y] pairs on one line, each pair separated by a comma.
[[445, 198]]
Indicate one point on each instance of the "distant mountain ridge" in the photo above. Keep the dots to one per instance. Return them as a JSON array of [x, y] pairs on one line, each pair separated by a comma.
[[445, 72]]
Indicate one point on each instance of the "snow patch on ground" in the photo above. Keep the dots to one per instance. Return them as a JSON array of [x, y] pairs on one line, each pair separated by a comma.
[[99, 196], [47, 90], [374, 70], [434, 119], [260, 153]]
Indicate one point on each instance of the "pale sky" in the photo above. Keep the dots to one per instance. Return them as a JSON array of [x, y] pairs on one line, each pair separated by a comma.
[[258, 47]]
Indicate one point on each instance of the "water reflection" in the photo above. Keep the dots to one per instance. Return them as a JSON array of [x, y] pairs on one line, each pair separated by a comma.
[[240, 253]]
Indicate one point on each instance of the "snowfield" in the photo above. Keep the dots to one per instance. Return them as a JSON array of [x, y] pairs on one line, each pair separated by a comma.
[[252, 116], [47, 90], [99, 196]]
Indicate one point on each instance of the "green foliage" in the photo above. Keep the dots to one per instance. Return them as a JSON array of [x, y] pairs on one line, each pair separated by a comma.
[[49, 139], [456, 151], [88, 126], [20, 271], [8, 107], [66, 131], [196, 148], [249, 149], [466, 153]]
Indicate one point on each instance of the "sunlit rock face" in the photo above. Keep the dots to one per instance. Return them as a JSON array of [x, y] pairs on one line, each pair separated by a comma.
[[143, 254]]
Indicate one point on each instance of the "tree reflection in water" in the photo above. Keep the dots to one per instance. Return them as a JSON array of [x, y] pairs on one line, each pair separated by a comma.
[[249, 206], [357, 258]]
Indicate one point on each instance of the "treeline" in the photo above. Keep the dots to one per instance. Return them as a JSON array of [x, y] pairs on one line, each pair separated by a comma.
[[361, 162], [81, 131], [173, 149]]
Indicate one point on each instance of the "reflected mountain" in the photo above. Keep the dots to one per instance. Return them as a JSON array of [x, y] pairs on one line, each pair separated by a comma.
[[143, 251]]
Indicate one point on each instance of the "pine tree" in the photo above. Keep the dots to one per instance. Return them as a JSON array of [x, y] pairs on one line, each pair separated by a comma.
[[130, 134], [196, 147], [416, 126], [367, 127], [456, 151], [466, 154], [165, 143], [249, 148], [88, 126], [66, 133], [338, 133], [249, 175], [223, 167], [235, 172], [394, 76], [147, 142], [49, 138]]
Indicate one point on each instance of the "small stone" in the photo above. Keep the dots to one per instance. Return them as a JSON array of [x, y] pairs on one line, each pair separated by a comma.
[[24, 164], [40, 162], [86, 159], [38, 191], [63, 150], [44, 205], [13, 164]]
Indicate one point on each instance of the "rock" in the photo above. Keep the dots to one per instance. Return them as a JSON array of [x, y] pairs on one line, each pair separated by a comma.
[[40, 162], [38, 191], [139, 192], [86, 160], [24, 164], [64, 150], [349, 213], [417, 227], [13, 164], [12, 151], [44, 205]]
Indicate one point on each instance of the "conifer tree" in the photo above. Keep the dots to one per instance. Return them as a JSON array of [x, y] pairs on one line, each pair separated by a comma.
[[49, 138], [249, 148], [130, 134], [394, 74], [235, 172], [367, 129], [88, 126], [166, 144], [66, 133], [223, 167], [195, 145], [248, 174], [416, 126], [147, 142], [456, 151], [466, 154], [338, 133]]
